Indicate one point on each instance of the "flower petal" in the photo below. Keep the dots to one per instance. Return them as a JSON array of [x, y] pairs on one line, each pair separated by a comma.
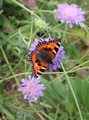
[[71, 14], [31, 88]]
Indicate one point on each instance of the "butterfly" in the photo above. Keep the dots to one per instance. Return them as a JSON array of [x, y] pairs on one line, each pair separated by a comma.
[[43, 54]]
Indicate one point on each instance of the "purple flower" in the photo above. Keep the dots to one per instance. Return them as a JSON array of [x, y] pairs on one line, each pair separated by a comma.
[[58, 58], [71, 14], [31, 88], [38, 41], [33, 46]]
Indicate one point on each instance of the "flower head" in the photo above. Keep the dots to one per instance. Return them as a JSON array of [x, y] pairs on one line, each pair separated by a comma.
[[31, 88], [41, 24], [57, 59], [71, 14], [36, 42]]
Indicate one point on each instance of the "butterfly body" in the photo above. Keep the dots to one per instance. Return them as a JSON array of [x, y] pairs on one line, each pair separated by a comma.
[[43, 55]]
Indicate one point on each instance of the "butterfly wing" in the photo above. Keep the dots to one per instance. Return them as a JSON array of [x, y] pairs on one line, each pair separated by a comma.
[[47, 51], [37, 66], [53, 47]]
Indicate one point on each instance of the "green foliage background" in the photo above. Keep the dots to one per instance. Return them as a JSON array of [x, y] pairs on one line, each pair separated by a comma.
[[67, 93]]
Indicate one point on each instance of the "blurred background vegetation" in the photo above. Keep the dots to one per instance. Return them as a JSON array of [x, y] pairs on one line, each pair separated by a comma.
[[67, 93]]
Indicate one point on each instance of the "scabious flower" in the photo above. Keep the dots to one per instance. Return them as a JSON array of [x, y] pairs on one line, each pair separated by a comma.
[[58, 58], [71, 14], [31, 88]]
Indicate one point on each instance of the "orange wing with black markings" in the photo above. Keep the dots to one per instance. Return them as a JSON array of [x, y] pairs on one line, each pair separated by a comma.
[[43, 55]]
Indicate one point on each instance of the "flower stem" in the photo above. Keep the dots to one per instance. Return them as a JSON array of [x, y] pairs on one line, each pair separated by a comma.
[[72, 92], [6, 59], [64, 34], [25, 8]]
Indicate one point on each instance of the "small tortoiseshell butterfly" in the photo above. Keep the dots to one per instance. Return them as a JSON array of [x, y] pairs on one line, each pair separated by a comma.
[[43, 55]]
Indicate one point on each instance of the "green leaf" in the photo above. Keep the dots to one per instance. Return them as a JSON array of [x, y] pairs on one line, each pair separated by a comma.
[[69, 106], [6, 25], [59, 89], [8, 113], [85, 115], [64, 117], [1, 3], [52, 115], [1, 87]]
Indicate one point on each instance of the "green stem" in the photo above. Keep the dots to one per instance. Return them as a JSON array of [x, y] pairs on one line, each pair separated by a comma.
[[70, 71], [46, 11], [72, 92], [84, 63], [49, 118], [5, 78], [40, 116], [19, 31], [25, 8], [31, 30], [65, 32], [6, 59]]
